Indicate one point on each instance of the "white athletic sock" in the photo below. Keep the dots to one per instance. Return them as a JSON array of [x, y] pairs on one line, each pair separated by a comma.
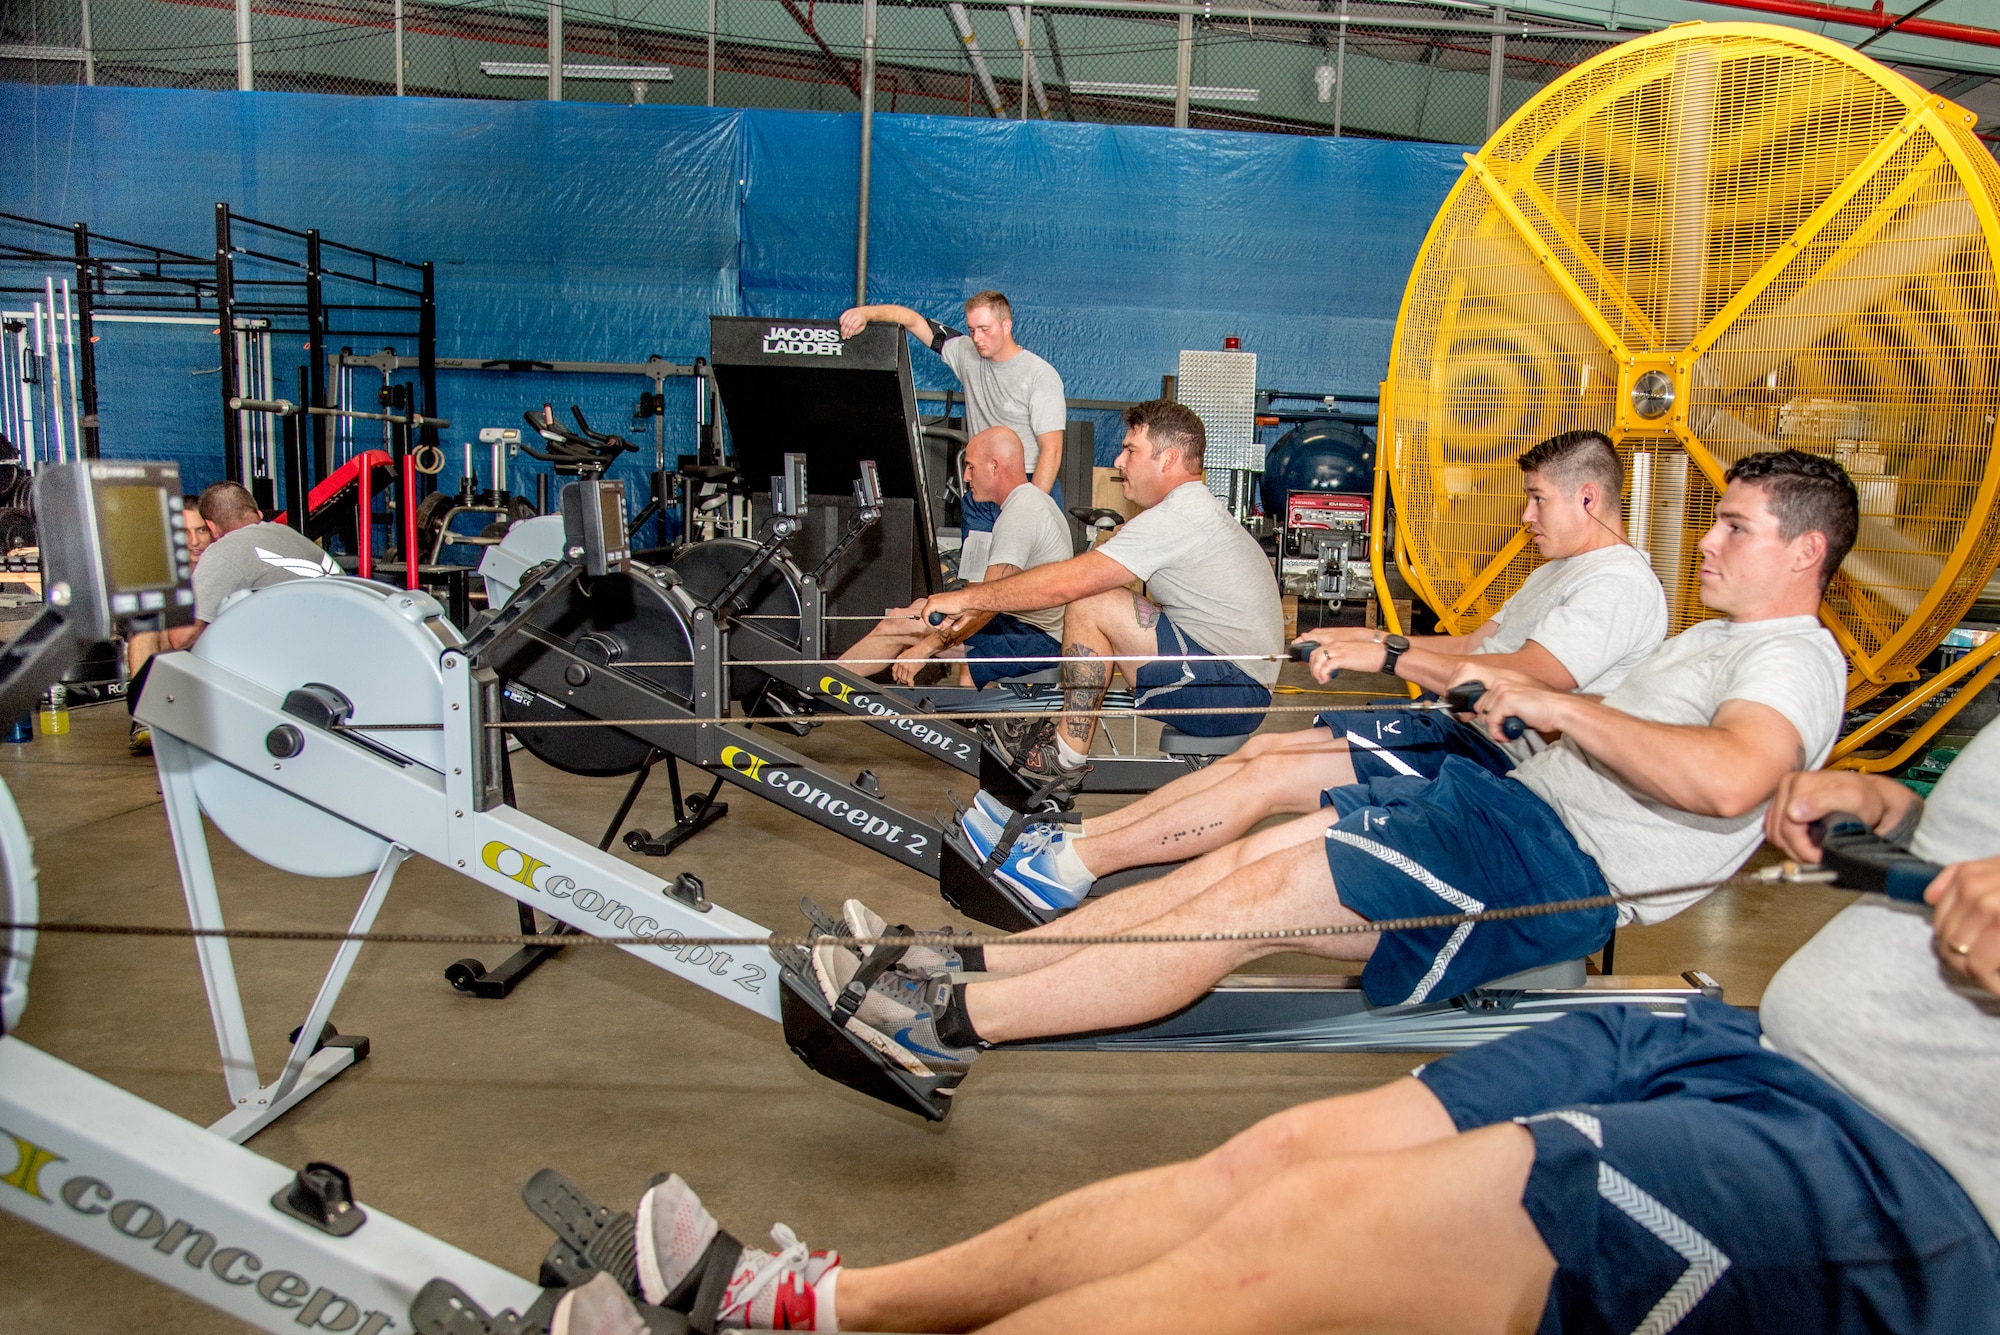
[[1069, 866], [823, 1313], [1068, 756]]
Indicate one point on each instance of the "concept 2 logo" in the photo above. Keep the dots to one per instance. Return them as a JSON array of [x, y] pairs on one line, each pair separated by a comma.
[[843, 692], [145, 1225], [810, 342], [532, 872], [804, 793]]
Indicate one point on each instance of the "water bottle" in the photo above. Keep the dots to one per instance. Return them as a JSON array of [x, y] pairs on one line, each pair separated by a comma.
[[55, 712]]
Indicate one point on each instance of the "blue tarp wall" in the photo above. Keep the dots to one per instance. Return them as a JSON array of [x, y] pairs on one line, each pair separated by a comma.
[[578, 231]]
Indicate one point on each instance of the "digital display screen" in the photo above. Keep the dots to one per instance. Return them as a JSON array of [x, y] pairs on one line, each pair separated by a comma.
[[137, 541], [611, 515]]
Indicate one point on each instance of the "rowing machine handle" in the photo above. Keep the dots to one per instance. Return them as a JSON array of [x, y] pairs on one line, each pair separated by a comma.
[[1464, 698], [1865, 861], [936, 618], [1302, 652]]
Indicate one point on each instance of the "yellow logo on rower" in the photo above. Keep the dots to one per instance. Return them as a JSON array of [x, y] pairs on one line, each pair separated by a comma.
[[839, 690], [743, 762], [29, 1165], [511, 862]]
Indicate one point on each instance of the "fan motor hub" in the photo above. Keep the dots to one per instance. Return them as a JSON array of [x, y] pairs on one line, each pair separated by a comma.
[[1653, 392]]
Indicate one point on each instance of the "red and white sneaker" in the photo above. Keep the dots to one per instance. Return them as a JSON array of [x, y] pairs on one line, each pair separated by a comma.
[[792, 1290]]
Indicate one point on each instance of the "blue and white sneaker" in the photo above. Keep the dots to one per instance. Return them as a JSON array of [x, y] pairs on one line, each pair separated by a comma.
[[992, 807], [1032, 868], [982, 831]]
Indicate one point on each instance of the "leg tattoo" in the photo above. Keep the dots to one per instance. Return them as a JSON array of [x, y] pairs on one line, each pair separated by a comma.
[[1144, 612], [1084, 685]]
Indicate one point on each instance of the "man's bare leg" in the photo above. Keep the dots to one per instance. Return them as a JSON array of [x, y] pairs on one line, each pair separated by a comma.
[[1139, 904], [1107, 987], [1116, 622], [1362, 1244], [1118, 1225], [1282, 782], [1196, 781]]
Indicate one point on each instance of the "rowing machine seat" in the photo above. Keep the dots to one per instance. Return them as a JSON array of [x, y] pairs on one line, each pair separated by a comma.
[[1174, 742]]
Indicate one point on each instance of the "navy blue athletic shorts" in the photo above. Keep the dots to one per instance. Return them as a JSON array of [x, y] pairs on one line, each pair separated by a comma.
[[1004, 636], [1687, 1179], [1463, 842], [1413, 743], [1190, 677]]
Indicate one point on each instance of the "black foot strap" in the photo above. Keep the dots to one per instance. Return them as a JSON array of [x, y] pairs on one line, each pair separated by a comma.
[[879, 961], [1047, 805], [701, 1291]]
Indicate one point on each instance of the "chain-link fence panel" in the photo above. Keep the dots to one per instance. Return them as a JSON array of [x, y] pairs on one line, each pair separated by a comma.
[[1375, 68]]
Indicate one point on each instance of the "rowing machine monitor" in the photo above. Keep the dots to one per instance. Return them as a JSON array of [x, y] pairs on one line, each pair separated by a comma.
[[788, 490], [1465, 697], [867, 511], [868, 491], [1865, 861], [594, 526], [114, 553], [115, 545]]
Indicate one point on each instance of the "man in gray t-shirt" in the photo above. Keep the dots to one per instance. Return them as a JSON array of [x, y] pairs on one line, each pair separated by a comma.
[[1004, 384], [1030, 532], [248, 553], [1209, 629], [1878, 1001]]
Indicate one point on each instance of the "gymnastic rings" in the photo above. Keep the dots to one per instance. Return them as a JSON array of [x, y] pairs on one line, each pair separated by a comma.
[[428, 460]]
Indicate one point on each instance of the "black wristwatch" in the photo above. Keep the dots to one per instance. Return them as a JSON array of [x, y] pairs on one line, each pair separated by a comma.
[[1393, 648]]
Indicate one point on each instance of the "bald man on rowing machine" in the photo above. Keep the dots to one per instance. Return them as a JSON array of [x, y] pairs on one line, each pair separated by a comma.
[[1029, 532], [1209, 627]]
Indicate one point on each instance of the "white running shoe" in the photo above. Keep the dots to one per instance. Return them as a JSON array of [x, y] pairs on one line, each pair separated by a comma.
[[672, 1231], [792, 1290], [599, 1307]]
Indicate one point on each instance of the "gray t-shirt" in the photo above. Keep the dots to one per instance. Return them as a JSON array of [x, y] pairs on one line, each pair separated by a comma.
[[1790, 664], [1030, 531], [251, 558], [1598, 613], [1207, 573], [1024, 392], [1867, 1005]]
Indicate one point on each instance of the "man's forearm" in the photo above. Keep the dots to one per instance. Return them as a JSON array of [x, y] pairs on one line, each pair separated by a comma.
[[1697, 768], [1054, 585], [1048, 465]]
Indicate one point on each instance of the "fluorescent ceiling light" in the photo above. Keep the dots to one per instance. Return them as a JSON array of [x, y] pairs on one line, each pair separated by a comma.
[[1164, 91], [510, 69]]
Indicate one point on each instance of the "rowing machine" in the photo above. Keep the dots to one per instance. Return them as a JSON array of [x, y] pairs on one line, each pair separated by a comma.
[[642, 646], [101, 1167]]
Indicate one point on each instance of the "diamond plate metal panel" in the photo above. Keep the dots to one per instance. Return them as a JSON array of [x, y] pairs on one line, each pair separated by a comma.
[[1221, 387]]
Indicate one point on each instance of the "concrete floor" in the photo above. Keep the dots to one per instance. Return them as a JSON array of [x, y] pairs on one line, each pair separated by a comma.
[[604, 1067]]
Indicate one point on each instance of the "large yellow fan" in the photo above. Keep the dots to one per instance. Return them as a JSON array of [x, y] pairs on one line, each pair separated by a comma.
[[1713, 240]]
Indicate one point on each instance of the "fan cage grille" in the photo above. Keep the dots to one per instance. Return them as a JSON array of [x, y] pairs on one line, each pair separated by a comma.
[[1804, 219]]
